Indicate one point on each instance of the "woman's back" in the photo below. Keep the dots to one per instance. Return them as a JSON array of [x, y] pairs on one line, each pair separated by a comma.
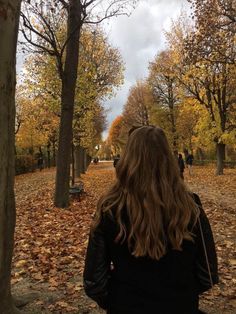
[[147, 227], [144, 285]]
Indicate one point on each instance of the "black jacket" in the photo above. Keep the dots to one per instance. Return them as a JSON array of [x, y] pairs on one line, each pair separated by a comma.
[[145, 286], [181, 164]]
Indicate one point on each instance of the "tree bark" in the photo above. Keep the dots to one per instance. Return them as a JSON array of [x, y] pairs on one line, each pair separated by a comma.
[[72, 164], [85, 160], [9, 23], [67, 105], [54, 153], [77, 162], [81, 161], [200, 154], [220, 156], [49, 155], [89, 159], [172, 117]]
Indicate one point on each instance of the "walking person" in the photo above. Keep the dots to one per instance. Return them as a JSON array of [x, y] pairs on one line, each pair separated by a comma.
[[40, 161], [181, 166], [189, 163], [148, 227], [116, 160]]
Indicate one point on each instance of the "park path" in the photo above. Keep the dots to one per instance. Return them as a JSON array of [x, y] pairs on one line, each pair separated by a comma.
[[50, 243], [218, 196]]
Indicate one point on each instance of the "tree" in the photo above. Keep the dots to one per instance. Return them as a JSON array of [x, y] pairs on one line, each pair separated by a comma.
[[221, 12], [135, 111], [105, 152], [165, 89], [43, 19], [189, 116], [115, 139], [47, 42], [88, 133], [38, 124], [100, 72], [215, 26], [9, 22]]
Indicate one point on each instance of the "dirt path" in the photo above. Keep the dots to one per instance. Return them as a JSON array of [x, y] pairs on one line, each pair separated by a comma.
[[50, 243]]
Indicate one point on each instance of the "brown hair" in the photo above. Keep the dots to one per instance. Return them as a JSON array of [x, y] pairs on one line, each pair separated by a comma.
[[148, 187]]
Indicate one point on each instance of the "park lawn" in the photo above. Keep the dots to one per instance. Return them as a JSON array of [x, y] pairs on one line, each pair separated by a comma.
[[51, 242]]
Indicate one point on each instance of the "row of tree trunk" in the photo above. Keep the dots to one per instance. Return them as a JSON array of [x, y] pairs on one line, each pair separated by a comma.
[[80, 161]]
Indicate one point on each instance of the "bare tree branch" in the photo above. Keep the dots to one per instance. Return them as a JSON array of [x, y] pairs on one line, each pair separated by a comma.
[[64, 3]]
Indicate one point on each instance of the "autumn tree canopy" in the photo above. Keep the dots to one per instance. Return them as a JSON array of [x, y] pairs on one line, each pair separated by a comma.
[[116, 137], [166, 92], [213, 37], [100, 72], [135, 111]]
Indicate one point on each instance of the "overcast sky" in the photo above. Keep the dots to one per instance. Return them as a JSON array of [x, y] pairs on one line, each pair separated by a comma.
[[139, 38]]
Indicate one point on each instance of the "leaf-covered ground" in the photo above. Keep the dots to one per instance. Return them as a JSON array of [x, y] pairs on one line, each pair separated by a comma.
[[51, 242]]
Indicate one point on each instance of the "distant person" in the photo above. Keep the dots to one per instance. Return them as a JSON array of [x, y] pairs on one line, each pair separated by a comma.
[[40, 161], [189, 162], [181, 165], [146, 251], [116, 159], [95, 160]]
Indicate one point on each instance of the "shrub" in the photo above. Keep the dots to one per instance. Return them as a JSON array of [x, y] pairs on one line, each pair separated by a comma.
[[25, 163]]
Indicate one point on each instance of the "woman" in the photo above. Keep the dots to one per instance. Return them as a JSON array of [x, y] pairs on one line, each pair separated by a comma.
[[145, 254]]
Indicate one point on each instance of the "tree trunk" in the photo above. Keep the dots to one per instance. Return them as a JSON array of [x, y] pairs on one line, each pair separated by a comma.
[[49, 155], [72, 164], [172, 120], [54, 153], [77, 162], [89, 159], [9, 22], [69, 78], [220, 156], [85, 160], [200, 154], [81, 159]]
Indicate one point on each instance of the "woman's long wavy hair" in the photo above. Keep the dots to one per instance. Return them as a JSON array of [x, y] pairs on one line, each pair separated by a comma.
[[148, 187]]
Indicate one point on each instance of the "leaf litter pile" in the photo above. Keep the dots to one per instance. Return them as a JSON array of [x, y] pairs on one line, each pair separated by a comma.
[[50, 243]]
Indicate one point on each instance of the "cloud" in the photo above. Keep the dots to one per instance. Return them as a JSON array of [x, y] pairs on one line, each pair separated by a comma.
[[139, 38]]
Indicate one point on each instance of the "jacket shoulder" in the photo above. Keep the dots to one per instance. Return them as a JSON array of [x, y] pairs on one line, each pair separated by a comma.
[[197, 199]]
